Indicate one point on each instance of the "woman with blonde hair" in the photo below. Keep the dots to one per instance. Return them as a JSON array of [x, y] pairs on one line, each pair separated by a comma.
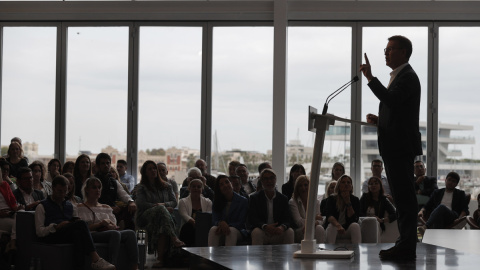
[[16, 158], [298, 209], [343, 209]]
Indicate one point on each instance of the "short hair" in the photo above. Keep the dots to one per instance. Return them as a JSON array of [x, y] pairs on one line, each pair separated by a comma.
[[234, 163], [102, 156], [377, 160], [88, 183], [263, 166], [192, 170], [267, 171], [453, 175], [417, 161], [23, 170], [404, 43], [122, 161], [4, 162], [241, 165], [162, 163], [59, 180]]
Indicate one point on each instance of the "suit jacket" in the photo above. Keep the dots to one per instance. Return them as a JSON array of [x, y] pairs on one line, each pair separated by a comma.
[[258, 212], [36, 194], [459, 203], [237, 213], [398, 116], [429, 185]]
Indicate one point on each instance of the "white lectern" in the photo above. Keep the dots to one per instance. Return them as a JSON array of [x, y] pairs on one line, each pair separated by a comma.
[[319, 124]]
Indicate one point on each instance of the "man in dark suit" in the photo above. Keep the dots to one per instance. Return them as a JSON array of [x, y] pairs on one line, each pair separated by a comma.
[[25, 194], [399, 139], [445, 205], [268, 213]]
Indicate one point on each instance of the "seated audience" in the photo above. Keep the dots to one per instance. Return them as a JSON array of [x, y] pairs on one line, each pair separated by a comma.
[[342, 213], [53, 168], [39, 182], [195, 173], [424, 185], [377, 169], [125, 178], [267, 215], [338, 169], [74, 199], [153, 215], [375, 204], [56, 222], [324, 197], [103, 225], [295, 171], [189, 207], [298, 209], [68, 167], [25, 194], [237, 186], [261, 167], [16, 158], [81, 172], [229, 213], [232, 166], [5, 166], [242, 172], [209, 179], [163, 171], [445, 205]]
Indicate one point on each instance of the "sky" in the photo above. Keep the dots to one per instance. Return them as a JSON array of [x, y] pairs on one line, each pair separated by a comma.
[[170, 76]]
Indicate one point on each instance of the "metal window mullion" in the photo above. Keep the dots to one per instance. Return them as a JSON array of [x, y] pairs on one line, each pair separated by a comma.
[[432, 100], [206, 95], [132, 118], [356, 111], [61, 93]]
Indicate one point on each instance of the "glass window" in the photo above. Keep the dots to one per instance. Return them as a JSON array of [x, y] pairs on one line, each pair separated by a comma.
[[242, 83], [458, 107], [28, 89], [375, 39], [97, 91], [319, 62], [170, 72]]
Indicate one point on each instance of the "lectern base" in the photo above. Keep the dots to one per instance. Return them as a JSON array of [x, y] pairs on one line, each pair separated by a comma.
[[325, 254]]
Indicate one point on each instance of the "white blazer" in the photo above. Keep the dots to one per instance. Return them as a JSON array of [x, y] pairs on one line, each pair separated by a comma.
[[299, 212], [185, 207]]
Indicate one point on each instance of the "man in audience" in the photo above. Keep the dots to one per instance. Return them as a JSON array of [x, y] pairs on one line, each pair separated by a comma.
[[25, 194], [112, 191], [126, 178], [242, 172], [195, 173], [237, 185], [163, 171], [445, 206], [268, 214], [424, 185], [261, 167], [202, 166], [377, 169], [232, 166]]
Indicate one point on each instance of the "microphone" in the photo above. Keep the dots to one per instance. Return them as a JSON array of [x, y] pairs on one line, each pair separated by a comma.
[[336, 92]]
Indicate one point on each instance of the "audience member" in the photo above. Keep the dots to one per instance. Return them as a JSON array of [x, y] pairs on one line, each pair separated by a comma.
[[324, 197], [377, 169], [153, 215], [103, 225], [163, 171], [39, 182], [74, 199], [374, 203], [125, 178], [81, 172], [195, 173], [232, 166], [25, 194], [115, 175], [342, 213], [210, 179], [445, 205], [338, 169], [229, 214], [295, 171], [53, 168], [56, 222], [16, 158], [189, 207], [298, 209], [242, 172], [261, 167], [237, 186], [8, 207], [267, 218], [68, 167], [5, 166], [424, 185]]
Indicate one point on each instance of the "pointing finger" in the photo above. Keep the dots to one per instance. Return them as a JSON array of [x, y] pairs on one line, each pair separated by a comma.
[[366, 59]]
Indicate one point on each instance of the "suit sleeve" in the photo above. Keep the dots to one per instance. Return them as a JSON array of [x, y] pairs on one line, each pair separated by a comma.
[[406, 85]]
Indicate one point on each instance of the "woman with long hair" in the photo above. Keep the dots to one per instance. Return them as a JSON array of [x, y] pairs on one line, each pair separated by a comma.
[[338, 169], [74, 199], [189, 207], [53, 167], [16, 158], [343, 209], [375, 204], [295, 171], [81, 172], [39, 181], [229, 213], [298, 209], [154, 195]]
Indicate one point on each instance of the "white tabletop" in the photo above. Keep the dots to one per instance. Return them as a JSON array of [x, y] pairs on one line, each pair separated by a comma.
[[460, 240]]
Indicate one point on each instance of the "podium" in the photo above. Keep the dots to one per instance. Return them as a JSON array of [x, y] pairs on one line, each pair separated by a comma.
[[319, 124]]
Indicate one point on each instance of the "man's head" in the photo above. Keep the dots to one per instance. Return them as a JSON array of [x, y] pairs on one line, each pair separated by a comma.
[[377, 167], [236, 183], [263, 166], [162, 170], [398, 51], [25, 179], [242, 172], [194, 173], [5, 168], [419, 168], [121, 167], [269, 179], [103, 162], [202, 165], [59, 188], [451, 181], [232, 166]]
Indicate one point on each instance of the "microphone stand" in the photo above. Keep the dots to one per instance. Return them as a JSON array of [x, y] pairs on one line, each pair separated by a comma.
[[336, 92]]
